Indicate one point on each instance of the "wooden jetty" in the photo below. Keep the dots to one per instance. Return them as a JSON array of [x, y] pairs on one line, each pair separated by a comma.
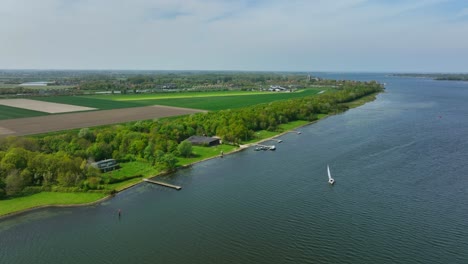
[[295, 132], [264, 147], [163, 184]]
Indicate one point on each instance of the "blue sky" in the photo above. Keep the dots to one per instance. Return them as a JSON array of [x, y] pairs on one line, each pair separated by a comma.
[[294, 35]]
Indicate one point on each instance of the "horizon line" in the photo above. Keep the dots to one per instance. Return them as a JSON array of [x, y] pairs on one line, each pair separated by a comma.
[[224, 70]]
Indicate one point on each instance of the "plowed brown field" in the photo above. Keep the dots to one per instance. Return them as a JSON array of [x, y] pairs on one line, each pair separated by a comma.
[[52, 123]]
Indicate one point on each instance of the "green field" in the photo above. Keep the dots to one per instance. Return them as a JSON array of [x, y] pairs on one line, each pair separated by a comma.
[[98, 102], [211, 101], [7, 112], [170, 95]]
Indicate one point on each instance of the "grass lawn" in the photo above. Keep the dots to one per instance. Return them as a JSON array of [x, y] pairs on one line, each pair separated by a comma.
[[293, 125], [128, 170], [201, 153], [47, 198], [125, 184], [131, 169], [264, 134]]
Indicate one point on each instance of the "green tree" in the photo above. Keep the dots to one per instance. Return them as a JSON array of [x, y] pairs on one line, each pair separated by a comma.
[[2, 188], [185, 148], [166, 161], [15, 158], [14, 183], [87, 134]]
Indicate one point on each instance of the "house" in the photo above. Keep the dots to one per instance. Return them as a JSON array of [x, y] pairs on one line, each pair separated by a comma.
[[276, 88], [204, 141], [106, 165]]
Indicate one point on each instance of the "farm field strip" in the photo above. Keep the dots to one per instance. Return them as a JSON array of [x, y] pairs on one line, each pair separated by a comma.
[[89, 101], [41, 106], [161, 96], [8, 112], [52, 123]]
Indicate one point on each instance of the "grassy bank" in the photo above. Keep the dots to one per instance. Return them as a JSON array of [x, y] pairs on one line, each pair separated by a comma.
[[47, 198]]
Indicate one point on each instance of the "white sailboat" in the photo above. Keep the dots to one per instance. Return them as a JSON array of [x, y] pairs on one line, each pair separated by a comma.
[[330, 179]]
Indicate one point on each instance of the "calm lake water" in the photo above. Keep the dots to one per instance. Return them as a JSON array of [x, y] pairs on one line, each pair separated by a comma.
[[401, 196]]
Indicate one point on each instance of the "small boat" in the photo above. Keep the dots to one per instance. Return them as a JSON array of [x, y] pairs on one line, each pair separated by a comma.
[[272, 147], [330, 179]]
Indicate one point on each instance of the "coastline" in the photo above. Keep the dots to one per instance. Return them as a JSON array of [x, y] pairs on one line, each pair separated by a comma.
[[354, 104]]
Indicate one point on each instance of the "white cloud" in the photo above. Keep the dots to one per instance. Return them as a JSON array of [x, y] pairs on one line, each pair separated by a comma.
[[210, 34]]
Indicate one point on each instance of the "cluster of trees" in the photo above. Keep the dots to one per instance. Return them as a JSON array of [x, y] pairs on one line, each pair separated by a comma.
[[61, 159]]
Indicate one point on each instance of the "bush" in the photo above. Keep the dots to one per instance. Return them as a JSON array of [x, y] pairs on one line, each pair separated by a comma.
[[92, 182], [30, 190]]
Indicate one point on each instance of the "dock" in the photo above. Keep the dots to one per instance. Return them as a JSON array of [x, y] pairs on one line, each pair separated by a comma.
[[295, 132], [264, 147], [163, 184]]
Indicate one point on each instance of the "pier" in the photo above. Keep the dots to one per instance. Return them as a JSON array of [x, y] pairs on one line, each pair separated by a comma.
[[264, 147], [295, 132], [163, 184]]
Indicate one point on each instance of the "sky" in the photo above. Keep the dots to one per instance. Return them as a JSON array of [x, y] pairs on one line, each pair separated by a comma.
[[255, 35]]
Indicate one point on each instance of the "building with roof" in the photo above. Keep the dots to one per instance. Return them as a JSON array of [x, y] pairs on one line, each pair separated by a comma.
[[106, 165]]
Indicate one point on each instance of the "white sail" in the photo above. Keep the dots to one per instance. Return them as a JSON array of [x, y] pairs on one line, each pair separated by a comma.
[[330, 179]]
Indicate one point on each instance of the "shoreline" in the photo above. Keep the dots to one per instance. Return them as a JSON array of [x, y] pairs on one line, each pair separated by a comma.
[[242, 147], [239, 149]]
